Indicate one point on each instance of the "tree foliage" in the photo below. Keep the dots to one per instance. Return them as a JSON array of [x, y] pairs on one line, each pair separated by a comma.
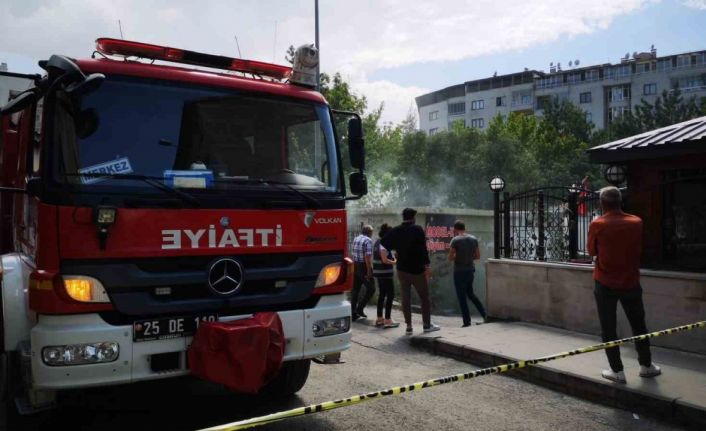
[[452, 168]]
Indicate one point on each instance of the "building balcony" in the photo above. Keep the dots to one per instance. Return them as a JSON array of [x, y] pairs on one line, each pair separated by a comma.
[[522, 103], [692, 89]]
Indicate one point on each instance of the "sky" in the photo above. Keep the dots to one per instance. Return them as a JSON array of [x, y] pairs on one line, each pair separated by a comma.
[[390, 50]]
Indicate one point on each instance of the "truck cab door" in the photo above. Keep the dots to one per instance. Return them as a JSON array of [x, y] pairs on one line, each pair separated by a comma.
[[9, 149], [25, 206]]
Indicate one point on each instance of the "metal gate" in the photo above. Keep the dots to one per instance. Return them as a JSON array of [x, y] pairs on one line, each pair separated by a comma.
[[545, 224]]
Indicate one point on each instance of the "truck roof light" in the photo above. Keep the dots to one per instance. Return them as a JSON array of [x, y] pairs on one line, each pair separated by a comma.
[[128, 48]]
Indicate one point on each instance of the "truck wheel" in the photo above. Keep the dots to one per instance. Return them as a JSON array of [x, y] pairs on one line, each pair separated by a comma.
[[9, 373], [290, 380]]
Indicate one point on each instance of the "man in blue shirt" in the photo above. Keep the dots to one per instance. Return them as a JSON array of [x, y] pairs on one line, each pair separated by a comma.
[[362, 255]]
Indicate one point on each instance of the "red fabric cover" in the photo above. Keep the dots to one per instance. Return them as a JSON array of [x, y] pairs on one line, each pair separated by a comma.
[[244, 355]]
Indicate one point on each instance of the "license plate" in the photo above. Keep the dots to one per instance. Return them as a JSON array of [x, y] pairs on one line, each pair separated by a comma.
[[169, 327]]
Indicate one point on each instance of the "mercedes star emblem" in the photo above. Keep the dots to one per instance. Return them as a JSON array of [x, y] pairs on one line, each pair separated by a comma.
[[225, 276], [225, 221]]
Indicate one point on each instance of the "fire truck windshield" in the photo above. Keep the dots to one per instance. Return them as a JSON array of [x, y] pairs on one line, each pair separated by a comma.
[[202, 140]]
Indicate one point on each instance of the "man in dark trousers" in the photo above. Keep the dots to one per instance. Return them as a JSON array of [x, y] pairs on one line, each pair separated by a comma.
[[413, 266], [363, 272], [462, 252], [615, 239]]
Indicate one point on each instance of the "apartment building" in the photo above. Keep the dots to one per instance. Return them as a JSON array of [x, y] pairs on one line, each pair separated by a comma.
[[603, 91]]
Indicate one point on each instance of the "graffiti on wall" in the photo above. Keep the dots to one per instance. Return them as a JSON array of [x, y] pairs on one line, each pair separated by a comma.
[[439, 230]]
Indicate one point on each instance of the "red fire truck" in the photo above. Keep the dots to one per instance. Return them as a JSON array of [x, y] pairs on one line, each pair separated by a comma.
[[143, 196]]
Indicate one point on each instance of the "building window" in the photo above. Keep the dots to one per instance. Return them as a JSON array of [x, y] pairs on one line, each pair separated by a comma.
[[592, 75], [500, 101], [477, 104], [433, 131], [543, 102], [522, 98], [691, 83], [619, 93], [617, 111], [648, 89], [665, 64], [433, 115], [683, 60], [585, 97], [457, 108], [589, 117], [478, 123]]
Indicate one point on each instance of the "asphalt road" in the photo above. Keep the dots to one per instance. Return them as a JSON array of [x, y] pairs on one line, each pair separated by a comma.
[[378, 359]]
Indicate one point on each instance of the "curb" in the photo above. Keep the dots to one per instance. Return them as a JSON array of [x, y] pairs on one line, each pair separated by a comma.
[[673, 410]]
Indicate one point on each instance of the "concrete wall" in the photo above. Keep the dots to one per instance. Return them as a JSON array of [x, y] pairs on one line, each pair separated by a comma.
[[561, 295], [478, 223]]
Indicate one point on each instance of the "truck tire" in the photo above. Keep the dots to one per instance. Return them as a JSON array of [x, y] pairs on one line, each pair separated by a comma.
[[291, 378], [9, 385]]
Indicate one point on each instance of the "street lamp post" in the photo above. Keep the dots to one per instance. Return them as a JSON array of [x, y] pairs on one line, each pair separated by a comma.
[[497, 185], [615, 174]]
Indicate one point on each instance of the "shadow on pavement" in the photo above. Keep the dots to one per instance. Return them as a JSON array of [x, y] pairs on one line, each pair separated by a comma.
[[174, 404]]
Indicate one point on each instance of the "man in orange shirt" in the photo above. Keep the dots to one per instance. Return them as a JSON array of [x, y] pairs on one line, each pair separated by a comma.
[[615, 239]]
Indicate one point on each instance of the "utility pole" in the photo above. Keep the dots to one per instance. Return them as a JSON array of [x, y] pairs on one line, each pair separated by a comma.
[[316, 25], [238, 45]]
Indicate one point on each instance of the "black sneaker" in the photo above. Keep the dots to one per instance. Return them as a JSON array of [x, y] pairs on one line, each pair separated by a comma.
[[465, 325], [355, 317], [362, 314]]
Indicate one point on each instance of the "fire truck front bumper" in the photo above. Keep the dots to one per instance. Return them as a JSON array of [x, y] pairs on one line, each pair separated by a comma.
[[306, 332]]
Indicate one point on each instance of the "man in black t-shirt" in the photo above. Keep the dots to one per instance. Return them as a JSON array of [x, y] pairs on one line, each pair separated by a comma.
[[413, 266], [464, 250]]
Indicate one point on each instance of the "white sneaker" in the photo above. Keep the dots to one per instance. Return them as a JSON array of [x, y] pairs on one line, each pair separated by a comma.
[[611, 375], [432, 327], [651, 371]]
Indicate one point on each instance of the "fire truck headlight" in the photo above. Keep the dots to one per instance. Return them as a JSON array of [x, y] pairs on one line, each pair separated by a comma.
[[340, 325], [81, 354], [85, 289], [329, 275]]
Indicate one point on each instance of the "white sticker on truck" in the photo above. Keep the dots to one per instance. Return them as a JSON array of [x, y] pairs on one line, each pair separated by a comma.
[[114, 167]]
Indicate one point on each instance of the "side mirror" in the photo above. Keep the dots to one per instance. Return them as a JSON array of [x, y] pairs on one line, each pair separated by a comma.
[[88, 85], [59, 65], [359, 184], [19, 103], [356, 143]]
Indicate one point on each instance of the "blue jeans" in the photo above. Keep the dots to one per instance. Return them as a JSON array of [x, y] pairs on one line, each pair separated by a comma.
[[463, 281]]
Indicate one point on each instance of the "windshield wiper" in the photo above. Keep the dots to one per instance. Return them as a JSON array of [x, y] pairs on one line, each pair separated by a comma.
[[311, 201], [152, 181]]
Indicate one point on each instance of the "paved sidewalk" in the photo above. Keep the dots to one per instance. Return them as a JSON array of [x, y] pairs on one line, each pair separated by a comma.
[[679, 394]]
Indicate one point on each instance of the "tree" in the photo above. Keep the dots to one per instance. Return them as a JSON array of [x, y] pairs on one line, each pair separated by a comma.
[[669, 108], [289, 56]]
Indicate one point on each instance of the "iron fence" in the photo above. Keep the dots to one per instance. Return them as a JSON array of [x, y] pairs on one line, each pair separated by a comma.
[[546, 224]]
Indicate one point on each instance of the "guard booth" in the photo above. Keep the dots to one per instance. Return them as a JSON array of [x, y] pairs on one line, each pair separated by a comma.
[[665, 174]]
